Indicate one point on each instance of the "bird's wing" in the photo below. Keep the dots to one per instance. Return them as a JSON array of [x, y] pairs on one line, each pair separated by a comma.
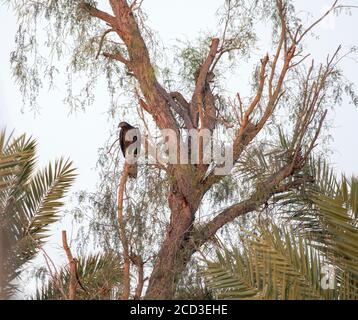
[[125, 143], [122, 142]]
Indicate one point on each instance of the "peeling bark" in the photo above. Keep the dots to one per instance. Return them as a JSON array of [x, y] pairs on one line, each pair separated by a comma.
[[169, 264]]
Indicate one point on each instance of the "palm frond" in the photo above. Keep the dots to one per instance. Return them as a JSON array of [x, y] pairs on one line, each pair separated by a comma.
[[225, 275], [99, 278], [29, 201], [273, 265]]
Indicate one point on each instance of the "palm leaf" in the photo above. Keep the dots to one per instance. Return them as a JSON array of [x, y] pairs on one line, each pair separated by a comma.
[[274, 265], [29, 201], [226, 276], [100, 276]]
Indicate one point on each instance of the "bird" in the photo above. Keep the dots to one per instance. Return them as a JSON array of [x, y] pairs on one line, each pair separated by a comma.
[[125, 142]]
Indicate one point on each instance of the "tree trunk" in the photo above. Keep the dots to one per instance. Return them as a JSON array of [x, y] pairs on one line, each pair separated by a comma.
[[171, 260]]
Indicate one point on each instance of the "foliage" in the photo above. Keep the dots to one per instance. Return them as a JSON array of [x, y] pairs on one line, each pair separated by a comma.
[[280, 263], [30, 201], [99, 278]]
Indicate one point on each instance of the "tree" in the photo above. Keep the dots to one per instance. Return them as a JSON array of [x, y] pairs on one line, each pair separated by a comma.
[[29, 203], [285, 84]]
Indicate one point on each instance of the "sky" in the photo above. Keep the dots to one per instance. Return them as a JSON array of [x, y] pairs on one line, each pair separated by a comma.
[[78, 136]]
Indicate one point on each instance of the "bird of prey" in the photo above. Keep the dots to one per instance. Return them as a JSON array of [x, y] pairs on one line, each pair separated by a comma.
[[126, 138]]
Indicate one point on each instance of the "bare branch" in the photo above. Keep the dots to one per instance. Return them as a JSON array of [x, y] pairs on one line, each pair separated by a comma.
[[179, 97], [118, 57], [73, 268], [258, 96], [270, 187], [197, 101], [102, 40], [333, 7], [313, 142], [94, 12], [200, 83], [122, 234], [138, 262]]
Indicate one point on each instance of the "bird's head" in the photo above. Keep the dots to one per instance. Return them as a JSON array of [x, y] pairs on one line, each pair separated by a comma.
[[124, 124]]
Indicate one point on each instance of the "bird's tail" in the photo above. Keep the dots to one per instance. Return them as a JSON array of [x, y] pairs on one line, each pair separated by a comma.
[[132, 170]]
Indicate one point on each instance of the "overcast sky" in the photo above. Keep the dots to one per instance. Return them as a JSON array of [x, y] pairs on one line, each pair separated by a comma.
[[78, 136]]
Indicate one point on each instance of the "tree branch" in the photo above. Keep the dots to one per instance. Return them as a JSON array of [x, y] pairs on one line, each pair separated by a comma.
[[318, 21], [138, 262], [197, 100], [258, 96], [118, 57], [270, 187], [94, 12], [102, 40], [181, 100], [73, 268], [124, 23], [123, 236]]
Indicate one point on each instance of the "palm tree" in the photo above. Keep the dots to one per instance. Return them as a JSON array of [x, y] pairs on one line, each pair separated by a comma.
[[30, 201], [99, 277], [315, 257]]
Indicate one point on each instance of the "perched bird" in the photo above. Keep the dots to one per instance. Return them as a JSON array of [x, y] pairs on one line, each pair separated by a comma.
[[126, 139]]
